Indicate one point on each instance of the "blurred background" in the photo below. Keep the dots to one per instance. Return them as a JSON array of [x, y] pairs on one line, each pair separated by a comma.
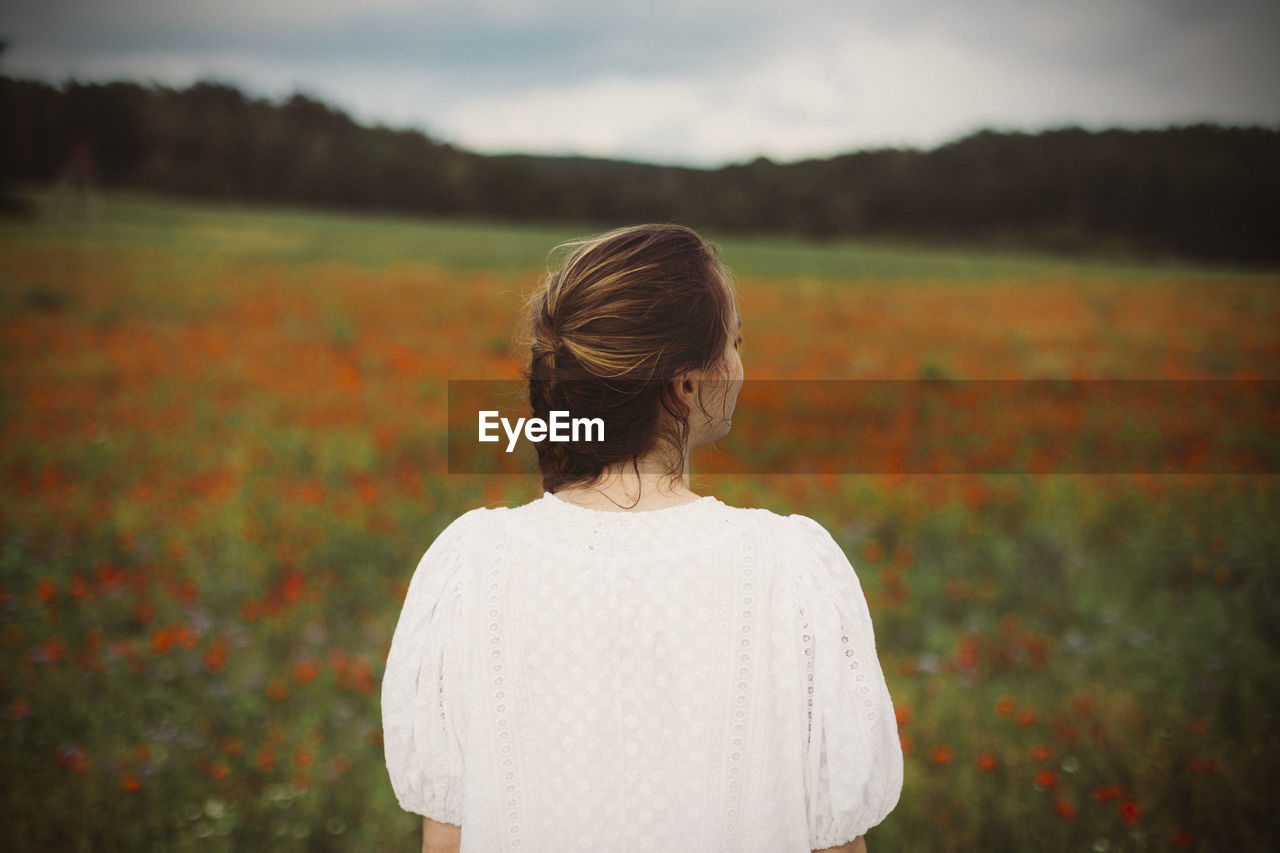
[[245, 248]]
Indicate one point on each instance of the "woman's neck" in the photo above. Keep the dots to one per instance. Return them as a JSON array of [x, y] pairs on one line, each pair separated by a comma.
[[647, 485]]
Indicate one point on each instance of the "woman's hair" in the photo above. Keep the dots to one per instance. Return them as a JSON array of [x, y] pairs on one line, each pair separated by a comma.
[[609, 329]]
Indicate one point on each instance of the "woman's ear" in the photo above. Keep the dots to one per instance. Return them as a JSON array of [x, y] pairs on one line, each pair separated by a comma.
[[684, 386]]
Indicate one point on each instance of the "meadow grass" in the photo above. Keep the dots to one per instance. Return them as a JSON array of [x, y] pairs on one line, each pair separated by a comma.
[[222, 457], [283, 235]]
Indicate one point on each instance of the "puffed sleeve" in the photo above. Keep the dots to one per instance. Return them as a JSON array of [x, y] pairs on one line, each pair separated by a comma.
[[421, 745], [853, 758]]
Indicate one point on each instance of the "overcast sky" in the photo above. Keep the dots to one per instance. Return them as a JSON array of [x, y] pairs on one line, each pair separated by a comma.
[[699, 82]]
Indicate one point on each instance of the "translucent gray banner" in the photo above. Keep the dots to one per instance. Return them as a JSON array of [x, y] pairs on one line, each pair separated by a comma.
[[923, 427]]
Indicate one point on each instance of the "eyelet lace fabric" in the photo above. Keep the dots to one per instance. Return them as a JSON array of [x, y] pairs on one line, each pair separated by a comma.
[[696, 678]]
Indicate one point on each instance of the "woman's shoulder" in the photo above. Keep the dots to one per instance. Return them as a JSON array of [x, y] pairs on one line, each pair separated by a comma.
[[811, 531], [798, 538], [469, 527], [792, 527]]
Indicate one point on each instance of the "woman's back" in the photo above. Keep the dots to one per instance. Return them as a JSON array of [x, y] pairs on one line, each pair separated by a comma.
[[693, 678]]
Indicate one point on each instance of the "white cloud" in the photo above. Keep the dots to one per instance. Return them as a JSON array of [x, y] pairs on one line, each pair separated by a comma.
[[601, 117]]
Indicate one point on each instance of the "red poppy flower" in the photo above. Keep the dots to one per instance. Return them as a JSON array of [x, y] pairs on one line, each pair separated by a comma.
[[1109, 792], [305, 671], [1046, 779], [265, 759], [1129, 812], [1065, 809]]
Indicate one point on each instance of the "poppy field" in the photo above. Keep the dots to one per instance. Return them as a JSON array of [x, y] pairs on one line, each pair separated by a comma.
[[224, 450]]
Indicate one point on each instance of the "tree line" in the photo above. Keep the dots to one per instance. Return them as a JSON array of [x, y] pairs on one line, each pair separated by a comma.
[[1199, 191]]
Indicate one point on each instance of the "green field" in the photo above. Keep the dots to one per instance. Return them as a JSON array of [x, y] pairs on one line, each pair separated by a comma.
[[222, 457]]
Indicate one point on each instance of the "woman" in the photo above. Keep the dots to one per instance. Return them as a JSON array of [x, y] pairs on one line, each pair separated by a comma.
[[623, 664]]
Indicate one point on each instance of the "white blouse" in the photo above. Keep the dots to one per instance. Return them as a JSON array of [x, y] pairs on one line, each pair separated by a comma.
[[695, 678]]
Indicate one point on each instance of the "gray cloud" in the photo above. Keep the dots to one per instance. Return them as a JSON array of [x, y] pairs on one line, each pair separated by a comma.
[[692, 81]]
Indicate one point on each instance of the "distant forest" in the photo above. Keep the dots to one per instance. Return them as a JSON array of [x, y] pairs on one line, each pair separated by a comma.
[[1199, 191]]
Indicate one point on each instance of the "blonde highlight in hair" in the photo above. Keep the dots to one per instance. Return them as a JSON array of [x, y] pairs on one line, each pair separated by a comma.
[[609, 329]]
